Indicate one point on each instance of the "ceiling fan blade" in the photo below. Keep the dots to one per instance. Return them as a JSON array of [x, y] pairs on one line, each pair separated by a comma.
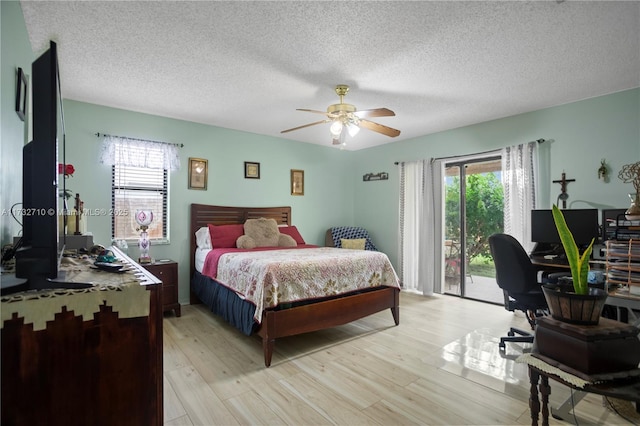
[[306, 125], [379, 128], [377, 112]]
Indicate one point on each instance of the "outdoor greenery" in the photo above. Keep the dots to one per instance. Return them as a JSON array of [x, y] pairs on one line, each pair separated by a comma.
[[482, 266], [484, 211]]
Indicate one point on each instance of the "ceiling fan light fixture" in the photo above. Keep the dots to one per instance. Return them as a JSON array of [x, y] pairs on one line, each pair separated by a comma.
[[336, 129], [346, 120]]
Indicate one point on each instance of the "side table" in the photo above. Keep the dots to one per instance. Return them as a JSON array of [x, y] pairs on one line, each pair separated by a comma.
[[623, 385], [167, 272]]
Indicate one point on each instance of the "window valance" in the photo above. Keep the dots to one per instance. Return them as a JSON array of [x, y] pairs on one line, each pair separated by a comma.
[[139, 153]]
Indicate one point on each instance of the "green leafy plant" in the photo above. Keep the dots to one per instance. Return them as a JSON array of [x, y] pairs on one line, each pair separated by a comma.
[[579, 264]]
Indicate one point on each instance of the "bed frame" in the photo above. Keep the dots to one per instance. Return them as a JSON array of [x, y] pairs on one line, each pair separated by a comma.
[[320, 315]]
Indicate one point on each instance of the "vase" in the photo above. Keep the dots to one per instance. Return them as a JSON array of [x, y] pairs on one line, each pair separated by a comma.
[[633, 213], [567, 306]]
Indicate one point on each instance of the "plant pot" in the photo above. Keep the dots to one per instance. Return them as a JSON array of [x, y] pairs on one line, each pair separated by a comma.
[[567, 306]]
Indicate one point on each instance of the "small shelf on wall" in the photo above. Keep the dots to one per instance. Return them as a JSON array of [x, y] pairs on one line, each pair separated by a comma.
[[375, 176]]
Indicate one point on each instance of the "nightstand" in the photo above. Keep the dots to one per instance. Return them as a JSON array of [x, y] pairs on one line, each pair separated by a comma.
[[167, 272]]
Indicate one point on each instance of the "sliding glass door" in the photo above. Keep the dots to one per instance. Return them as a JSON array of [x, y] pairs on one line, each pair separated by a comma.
[[473, 211]]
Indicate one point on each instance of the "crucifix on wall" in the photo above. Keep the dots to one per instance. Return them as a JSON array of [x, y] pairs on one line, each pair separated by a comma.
[[563, 189]]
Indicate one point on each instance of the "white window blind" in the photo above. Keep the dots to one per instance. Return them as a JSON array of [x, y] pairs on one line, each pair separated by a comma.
[[139, 181], [138, 188]]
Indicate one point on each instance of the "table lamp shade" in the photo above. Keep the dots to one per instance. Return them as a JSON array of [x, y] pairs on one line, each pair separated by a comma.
[[144, 217]]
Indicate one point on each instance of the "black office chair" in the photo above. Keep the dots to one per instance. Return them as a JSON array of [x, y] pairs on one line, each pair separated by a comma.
[[518, 279]]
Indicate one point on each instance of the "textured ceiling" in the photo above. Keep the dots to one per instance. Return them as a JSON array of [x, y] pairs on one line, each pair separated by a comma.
[[248, 65]]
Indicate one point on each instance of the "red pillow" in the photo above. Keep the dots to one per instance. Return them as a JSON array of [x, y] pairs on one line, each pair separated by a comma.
[[225, 236], [293, 232]]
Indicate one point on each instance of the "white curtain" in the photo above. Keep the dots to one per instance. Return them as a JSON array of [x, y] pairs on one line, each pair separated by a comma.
[[421, 226], [519, 179], [139, 153]]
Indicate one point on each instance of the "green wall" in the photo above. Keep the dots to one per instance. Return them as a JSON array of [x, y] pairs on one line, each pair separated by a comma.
[[327, 193], [582, 134], [16, 53]]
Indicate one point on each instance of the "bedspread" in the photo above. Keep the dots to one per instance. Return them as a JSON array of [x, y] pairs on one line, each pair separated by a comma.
[[270, 278]]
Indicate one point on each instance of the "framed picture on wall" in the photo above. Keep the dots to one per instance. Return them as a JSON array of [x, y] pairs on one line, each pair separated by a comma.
[[297, 182], [21, 94], [198, 173], [251, 170]]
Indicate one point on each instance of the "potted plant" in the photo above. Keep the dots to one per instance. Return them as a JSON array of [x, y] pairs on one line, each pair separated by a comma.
[[580, 304]]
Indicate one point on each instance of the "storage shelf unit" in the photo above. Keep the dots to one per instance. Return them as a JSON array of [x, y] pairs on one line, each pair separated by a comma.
[[625, 230], [623, 264]]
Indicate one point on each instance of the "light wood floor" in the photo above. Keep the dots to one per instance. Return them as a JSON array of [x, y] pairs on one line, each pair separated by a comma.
[[440, 366]]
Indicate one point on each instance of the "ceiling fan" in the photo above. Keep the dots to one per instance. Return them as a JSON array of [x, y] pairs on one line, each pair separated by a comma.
[[345, 118]]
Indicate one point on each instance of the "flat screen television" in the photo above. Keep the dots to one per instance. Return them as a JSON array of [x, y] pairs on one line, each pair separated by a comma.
[[37, 260], [583, 224]]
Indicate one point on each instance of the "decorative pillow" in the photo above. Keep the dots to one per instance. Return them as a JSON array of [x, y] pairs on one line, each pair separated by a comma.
[[203, 238], [264, 231], [351, 233], [357, 244], [285, 240], [246, 242], [225, 236], [293, 232]]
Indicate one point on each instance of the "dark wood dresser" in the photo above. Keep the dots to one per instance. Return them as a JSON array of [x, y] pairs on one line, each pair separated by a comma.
[[80, 357]]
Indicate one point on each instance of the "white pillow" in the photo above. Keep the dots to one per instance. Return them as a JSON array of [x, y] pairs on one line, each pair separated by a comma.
[[203, 238]]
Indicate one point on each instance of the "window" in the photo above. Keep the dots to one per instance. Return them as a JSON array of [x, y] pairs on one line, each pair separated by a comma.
[[137, 188]]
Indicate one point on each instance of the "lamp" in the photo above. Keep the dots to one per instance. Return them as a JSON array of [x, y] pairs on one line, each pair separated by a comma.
[[144, 219], [336, 128], [353, 129], [340, 127]]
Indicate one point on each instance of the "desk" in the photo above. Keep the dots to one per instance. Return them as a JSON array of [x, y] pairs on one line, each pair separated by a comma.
[[626, 304], [626, 385], [558, 264]]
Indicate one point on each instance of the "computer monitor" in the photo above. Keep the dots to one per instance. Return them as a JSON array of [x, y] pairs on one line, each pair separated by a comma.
[[583, 224]]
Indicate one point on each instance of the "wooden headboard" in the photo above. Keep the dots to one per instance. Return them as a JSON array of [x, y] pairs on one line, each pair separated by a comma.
[[203, 214]]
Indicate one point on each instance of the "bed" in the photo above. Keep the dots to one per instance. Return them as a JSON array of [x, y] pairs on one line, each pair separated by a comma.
[[288, 319]]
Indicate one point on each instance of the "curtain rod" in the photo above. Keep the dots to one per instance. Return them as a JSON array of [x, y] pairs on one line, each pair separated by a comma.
[[476, 153], [180, 145]]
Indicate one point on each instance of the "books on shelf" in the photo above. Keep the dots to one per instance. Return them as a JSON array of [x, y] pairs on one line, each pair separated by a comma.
[[623, 264], [623, 248], [622, 222], [621, 228]]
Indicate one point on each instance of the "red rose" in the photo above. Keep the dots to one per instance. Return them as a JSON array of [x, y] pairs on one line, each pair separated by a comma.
[[66, 169]]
